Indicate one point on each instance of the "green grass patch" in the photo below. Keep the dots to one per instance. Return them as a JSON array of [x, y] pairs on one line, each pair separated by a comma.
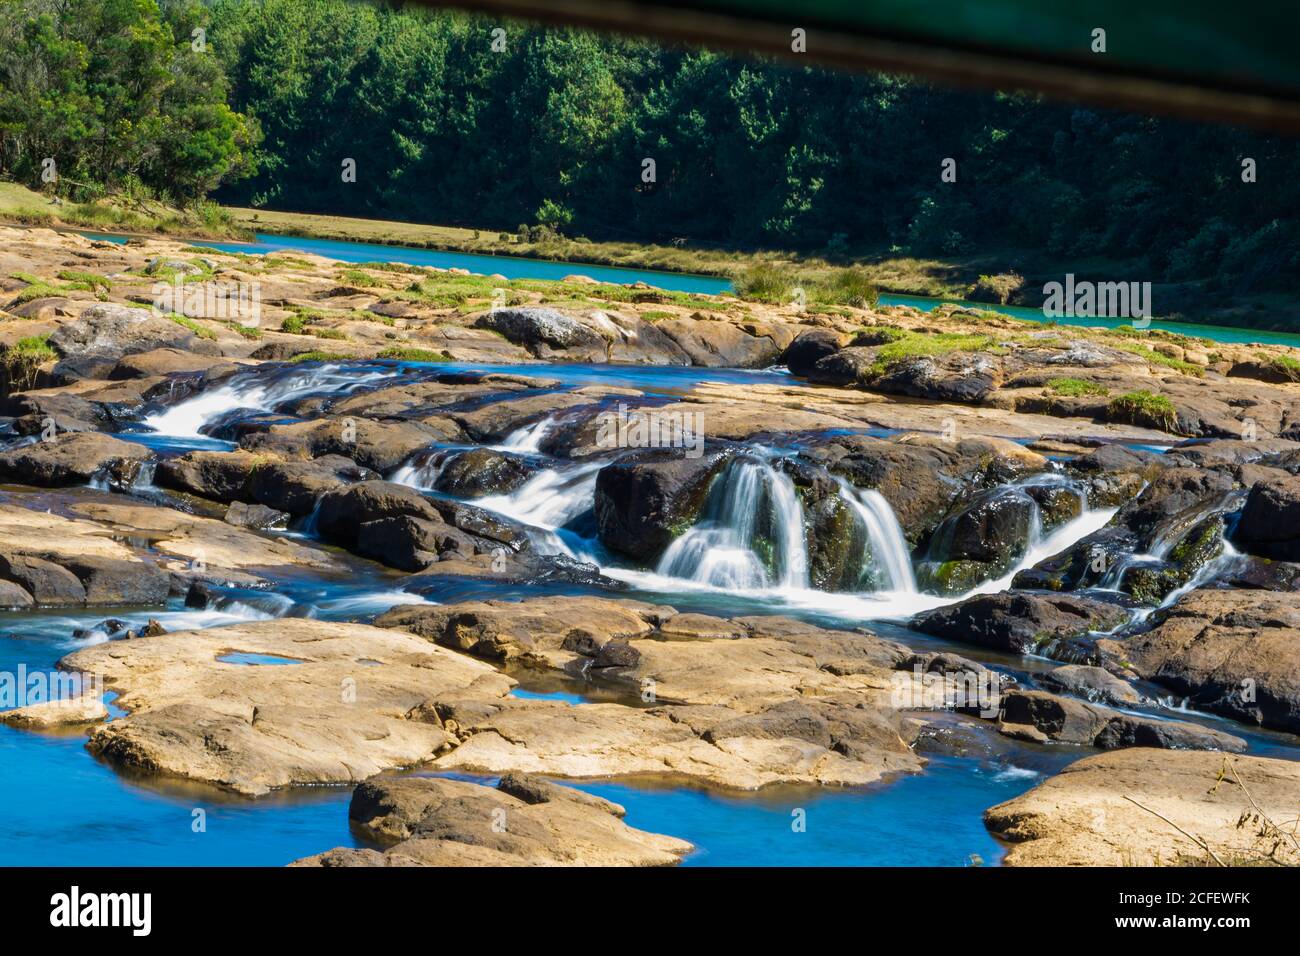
[[90, 281], [328, 333], [916, 345], [318, 356], [1156, 358], [403, 354], [1076, 387], [23, 359], [1144, 408], [202, 331], [294, 324], [247, 331]]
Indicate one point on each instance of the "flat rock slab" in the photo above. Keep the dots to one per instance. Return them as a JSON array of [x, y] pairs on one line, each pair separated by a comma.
[[204, 541], [523, 821], [1085, 815], [338, 713]]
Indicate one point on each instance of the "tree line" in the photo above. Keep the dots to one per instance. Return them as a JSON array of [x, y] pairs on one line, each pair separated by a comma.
[[459, 119]]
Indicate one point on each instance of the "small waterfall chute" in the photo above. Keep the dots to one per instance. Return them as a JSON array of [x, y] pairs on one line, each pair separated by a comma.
[[528, 439], [750, 535], [889, 553]]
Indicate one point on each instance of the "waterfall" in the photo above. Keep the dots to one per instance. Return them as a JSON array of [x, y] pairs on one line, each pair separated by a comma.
[[528, 440], [421, 471], [251, 391], [750, 535], [549, 501], [888, 548]]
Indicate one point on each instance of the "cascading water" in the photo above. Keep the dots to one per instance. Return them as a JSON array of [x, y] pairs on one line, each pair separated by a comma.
[[420, 472], [528, 440], [888, 548], [547, 503], [750, 535], [252, 391]]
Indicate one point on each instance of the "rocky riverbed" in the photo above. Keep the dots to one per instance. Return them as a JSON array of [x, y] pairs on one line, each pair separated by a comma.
[[744, 547]]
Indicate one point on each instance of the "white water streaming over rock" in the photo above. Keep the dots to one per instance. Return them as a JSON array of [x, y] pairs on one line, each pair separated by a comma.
[[752, 510], [889, 551], [262, 393], [421, 471], [527, 440], [547, 502]]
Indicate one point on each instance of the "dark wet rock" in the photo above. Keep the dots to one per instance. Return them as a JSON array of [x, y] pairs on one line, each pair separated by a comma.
[[809, 348], [1263, 574], [1153, 583], [982, 540], [201, 595], [406, 542], [258, 517], [482, 471], [1270, 521], [1179, 505], [1020, 622], [492, 529], [954, 378], [118, 581], [1175, 499], [849, 366], [1042, 717], [70, 459], [923, 477], [1235, 653], [344, 510], [644, 501], [1091, 683], [296, 486]]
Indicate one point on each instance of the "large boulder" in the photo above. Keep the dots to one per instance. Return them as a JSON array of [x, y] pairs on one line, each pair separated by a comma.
[[344, 510], [723, 344], [809, 348], [482, 471], [67, 459], [543, 331], [106, 332], [982, 540], [1235, 653], [1270, 521], [643, 501]]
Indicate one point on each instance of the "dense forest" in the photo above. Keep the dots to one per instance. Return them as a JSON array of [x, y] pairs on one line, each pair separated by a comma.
[[450, 122]]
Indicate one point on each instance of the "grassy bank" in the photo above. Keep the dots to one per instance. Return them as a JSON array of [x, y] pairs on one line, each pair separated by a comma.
[[23, 206]]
